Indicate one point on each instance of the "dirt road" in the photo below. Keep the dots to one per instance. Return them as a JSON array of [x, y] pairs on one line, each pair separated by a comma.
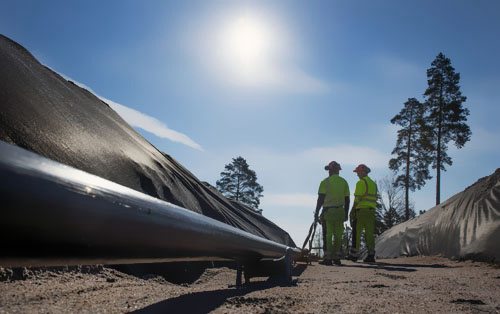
[[403, 285]]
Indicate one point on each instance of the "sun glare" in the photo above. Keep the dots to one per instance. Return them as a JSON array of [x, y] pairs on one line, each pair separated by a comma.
[[246, 46], [254, 49], [247, 41]]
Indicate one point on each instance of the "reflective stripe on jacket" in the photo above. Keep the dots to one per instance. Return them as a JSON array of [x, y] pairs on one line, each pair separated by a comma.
[[365, 195]]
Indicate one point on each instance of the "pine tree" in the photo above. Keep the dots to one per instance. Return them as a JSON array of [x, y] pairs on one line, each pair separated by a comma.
[[319, 244], [391, 218], [346, 241], [379, 218], [445, 116], [391, 205], [412, 150], [238, 182]]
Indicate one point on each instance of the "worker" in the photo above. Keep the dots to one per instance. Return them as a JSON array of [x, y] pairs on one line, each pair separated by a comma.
[[363, 211], [333, 196]]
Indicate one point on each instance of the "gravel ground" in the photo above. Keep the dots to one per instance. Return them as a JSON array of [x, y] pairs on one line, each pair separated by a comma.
[[403, 285]]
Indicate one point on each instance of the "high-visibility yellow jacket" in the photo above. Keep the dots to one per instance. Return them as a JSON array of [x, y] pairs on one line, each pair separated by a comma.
[[365, 195], [335, 189]]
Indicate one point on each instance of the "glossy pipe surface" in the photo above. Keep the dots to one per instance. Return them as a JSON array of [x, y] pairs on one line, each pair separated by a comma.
[[52, 214]]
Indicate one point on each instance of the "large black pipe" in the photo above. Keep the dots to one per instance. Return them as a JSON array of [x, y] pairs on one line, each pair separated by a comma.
[[52, 214]]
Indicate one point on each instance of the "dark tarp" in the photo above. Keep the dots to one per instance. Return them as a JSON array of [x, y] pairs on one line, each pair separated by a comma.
[[467, 225], [46, 114]]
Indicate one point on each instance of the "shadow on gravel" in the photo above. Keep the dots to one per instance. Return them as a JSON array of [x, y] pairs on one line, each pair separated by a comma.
[[203, 301], [396, 267], [468, 301], [298, 270], [415, 265], [388, 267]]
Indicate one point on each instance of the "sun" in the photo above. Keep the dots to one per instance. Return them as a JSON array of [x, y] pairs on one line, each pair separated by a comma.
[[247, 41], [246, 45]]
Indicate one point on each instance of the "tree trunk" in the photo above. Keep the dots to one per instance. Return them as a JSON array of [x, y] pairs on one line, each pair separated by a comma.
[[438, 168], [238, 186], [408, 160], [438, 161]]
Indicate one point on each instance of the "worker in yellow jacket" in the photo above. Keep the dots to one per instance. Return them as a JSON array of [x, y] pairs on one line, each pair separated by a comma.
[[363, 211], [333, 196]]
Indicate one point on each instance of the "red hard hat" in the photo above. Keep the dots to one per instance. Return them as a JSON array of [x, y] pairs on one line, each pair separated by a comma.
[[362, 168], [333, 165]]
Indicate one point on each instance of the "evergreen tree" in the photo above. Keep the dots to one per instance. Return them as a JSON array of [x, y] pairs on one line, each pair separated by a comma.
[[391, 218], [391, 205], [445, 116], [346, 241], [238, 182], [412, 150], [319, 245], [379, 218]]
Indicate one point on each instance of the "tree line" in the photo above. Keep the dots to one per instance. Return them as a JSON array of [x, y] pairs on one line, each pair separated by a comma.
[[425, 130]]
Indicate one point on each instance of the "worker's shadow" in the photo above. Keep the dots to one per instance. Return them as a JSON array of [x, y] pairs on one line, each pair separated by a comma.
[[414, 265], [298, 269], [381, 266], [203, 301], [395, 267]]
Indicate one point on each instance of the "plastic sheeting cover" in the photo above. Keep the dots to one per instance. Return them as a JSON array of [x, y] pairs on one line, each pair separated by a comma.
[[46, 114], [465, 226]]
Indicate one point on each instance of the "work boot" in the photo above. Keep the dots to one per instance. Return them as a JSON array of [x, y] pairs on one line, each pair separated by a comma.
[[369, 259], [353, 256], [327, 262]]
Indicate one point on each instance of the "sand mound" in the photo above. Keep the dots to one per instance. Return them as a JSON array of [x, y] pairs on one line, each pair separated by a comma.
[[465, 226]]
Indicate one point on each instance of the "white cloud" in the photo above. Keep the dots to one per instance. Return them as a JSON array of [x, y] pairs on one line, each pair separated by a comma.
[[289, 200], [141, 120], [150, 124], [349, 155]]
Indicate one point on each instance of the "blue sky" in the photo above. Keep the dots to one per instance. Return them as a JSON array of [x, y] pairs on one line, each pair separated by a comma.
[[288, 85]]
